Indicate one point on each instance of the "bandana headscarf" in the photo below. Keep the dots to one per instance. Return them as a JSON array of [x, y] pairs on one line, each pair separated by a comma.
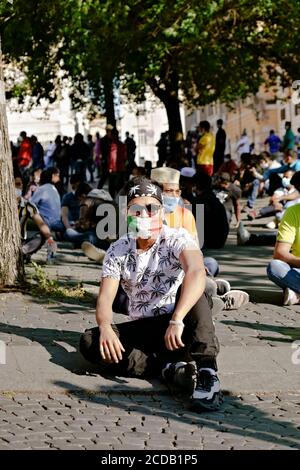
[[144, 189]]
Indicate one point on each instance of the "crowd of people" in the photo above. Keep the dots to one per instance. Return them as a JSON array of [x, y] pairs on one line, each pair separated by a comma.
[[154, 271]]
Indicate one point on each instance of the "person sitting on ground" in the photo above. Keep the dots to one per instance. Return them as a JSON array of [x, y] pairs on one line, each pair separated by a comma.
[[176, 215], [47, 200], [73, 233], [70, 203], [282, 198], [162, 273], [244, 237], [33, 184], [186, 183], [28, 211], [229, 195], [216, 227], [89, 218], [250, 178], [290, 163], [266, 163], [229, 166], [284, 269]]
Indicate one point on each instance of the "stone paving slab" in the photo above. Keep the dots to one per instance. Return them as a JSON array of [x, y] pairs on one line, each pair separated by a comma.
[[158, 424]]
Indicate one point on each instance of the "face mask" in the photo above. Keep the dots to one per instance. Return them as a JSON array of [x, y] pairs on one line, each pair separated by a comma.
[[18, 192], [286, 182], [140, 227], [170, 203]]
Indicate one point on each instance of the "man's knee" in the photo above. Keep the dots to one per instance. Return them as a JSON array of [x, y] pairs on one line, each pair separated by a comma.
[[212, 265], [203, 306], [277, 268], [87, 344]]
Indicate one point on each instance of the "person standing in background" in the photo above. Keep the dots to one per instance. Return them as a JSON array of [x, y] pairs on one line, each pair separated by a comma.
[[220, 146], [97, 153], [274, 142], [289, 138], [206, 148]]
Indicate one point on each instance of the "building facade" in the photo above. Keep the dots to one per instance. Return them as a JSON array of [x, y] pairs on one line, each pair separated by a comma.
[[257, 114]]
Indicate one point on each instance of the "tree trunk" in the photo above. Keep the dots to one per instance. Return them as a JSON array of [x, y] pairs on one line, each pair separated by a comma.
[[109, 102], [169, 97], [175, 127], [11, 265]]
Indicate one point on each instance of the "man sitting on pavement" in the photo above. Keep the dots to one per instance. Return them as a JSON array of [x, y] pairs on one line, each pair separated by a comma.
[[284, 269], [244, 237], [229, 195], [28, 211], [70, 203], [162, 273]]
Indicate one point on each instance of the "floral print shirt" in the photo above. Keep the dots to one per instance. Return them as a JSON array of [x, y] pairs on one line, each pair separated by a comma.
[[151, 278]]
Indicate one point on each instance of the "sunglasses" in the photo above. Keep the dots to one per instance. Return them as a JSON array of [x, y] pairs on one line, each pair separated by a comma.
[[137, 209]]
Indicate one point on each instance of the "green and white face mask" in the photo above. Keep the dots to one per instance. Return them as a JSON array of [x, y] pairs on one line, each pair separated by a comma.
[[139, 227]]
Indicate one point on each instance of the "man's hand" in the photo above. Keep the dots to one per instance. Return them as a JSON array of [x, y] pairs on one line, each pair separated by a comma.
[[110, 346], [173, 337], [274, 198]]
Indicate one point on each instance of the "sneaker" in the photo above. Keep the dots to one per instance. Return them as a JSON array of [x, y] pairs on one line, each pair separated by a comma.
[[223, 286], [251, 214], [207, 395], [290, 297], [271, 225], [181, 374], [218, 305], [234, 299], [242, 234], [92, 252]]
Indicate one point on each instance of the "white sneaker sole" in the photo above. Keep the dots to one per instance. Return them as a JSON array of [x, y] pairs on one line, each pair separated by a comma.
[[93, 253]]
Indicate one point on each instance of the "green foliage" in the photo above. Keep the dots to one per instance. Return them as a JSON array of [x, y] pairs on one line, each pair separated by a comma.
[[42, 286], [221, 49]]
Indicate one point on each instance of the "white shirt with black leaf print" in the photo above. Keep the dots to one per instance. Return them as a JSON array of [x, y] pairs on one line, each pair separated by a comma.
[[151, 278]]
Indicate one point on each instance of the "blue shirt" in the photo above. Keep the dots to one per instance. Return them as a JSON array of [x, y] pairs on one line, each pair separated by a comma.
[[47, 200], [295, 166], [274, 143], [71, 202]]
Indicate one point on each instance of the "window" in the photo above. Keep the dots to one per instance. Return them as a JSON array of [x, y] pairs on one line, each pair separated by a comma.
[[142, 137], [282, 114], [297, 110]]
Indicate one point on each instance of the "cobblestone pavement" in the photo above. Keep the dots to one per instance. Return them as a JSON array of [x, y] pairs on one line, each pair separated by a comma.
[[47, 401], [158, 422]]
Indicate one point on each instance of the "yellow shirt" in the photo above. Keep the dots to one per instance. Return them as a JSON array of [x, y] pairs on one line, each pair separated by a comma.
[[289, 229], [182, 218], [206, 154]]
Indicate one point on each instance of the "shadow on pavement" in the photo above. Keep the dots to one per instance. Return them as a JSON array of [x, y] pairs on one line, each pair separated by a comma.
[[62, 346], [293, 333], [235, 417]]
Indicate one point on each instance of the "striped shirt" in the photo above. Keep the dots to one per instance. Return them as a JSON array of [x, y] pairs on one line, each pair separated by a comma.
[[26, 211]]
